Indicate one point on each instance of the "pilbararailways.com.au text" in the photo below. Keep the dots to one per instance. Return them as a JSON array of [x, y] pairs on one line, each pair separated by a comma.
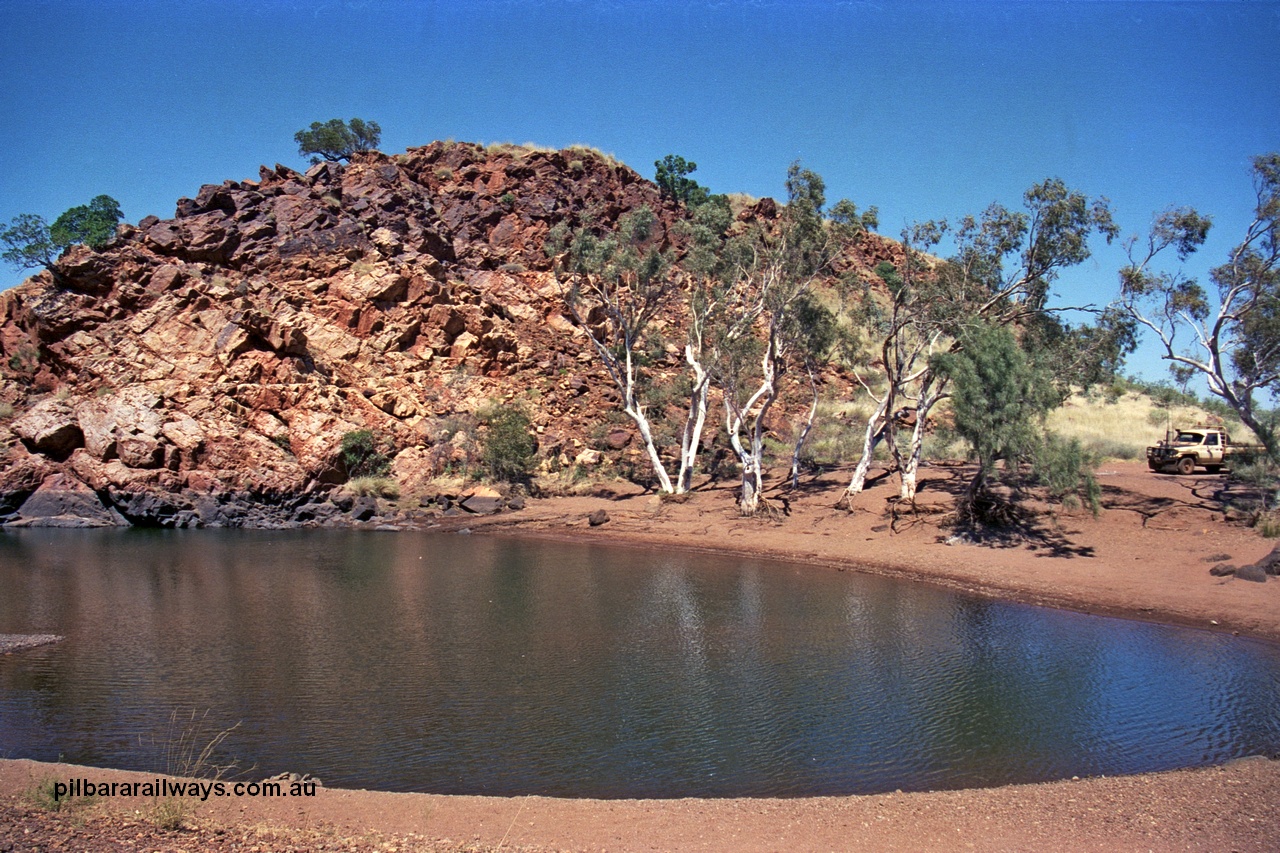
[[202, 790]]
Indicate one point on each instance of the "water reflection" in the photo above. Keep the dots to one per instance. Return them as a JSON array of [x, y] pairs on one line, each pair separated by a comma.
[[469, 664]]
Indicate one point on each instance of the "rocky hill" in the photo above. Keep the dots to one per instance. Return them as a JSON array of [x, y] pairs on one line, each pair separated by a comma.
[[202, 370]]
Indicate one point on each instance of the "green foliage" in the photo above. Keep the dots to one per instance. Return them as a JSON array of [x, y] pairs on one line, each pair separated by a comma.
[[846, 217], [510, 450], [28, 243], [44, 796], [363, 455], [336, 140], [24, 362], [1261, 476], [817, 334], [998, 396], [557, 239], [1015, 256], [1081, 357], [93, 224], [673, 181], [31, 242], [625, 270], [1066, 469]]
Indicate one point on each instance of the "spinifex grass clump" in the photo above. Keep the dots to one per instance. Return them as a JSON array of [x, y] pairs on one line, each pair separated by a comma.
[[190, 751]]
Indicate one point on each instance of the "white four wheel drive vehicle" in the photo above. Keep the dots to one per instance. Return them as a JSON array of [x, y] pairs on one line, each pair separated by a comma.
[[1184, 450]]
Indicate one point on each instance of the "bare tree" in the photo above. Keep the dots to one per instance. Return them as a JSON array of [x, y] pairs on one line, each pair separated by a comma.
[[1233, 338], [773, 271], [623, 278], [902, 318]]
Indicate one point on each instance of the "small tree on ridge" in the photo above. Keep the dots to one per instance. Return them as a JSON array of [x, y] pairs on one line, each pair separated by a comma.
[[335, 140], [31, 242]]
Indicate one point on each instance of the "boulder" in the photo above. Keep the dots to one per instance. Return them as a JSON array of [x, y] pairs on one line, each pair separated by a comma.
[[598, 518], [1271, 562], [50, 427], [482, 505], [126, 425], [588, 458], [483, 501], [364, 508], [63, 501], [1252, 573]]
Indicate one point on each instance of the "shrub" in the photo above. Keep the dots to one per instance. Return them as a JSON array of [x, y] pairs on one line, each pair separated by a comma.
[[44, 796], [1268, 525], [509, 451], [363, 456], [1065, 469]]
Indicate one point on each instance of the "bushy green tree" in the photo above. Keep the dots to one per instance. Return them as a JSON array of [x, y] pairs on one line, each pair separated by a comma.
[[618, 282], [996, 397], [510, 450], [93, 224], [672, 178], [363, 455], [999, 399], [31, 242], [772, 271], [1065, 469], [844, 214], [336, 140]]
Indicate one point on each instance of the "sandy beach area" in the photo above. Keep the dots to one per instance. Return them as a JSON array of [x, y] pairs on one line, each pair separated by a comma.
[[1147, 557]]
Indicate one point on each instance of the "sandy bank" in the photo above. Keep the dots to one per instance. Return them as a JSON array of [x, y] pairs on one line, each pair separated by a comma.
[[1215, 809]]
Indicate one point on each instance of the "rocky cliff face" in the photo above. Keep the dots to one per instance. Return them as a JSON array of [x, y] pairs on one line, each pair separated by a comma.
[[202, 370]]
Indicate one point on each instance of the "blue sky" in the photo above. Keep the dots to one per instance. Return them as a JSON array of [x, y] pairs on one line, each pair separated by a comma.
[[926, 110]]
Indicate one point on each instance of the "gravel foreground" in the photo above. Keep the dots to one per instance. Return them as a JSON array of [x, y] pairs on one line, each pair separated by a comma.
[[1228, 808]]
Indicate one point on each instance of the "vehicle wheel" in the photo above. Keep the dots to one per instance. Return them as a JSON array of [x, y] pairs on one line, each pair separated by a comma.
[[1153, 466], [1186, 465]]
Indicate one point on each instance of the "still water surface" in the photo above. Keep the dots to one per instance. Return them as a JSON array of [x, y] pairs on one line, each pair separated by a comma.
[[466, 664]]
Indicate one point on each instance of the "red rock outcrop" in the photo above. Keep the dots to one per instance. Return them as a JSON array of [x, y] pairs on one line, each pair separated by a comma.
[[226, 351]]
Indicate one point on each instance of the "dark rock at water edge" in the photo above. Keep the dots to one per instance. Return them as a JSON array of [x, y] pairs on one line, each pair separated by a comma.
[[63, 501], [483, 504]]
